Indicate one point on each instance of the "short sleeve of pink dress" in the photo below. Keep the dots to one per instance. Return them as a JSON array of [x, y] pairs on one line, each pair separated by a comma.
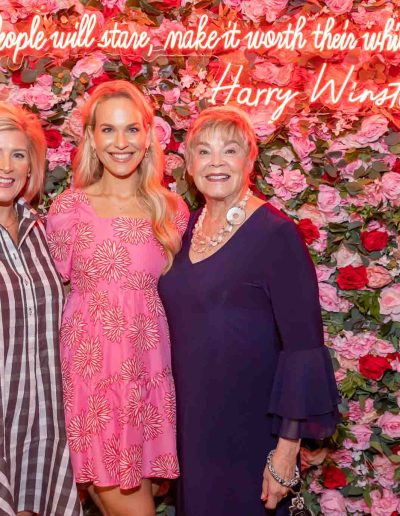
[[119, 395]]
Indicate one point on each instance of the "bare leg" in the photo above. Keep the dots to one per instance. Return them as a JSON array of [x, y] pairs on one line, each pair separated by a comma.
[[136, 502], [96, 499]]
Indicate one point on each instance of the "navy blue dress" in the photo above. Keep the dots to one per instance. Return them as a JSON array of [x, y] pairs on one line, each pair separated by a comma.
[[248, 360]]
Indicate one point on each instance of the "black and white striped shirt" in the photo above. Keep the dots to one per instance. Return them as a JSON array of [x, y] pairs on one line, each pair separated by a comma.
[[35, 473]]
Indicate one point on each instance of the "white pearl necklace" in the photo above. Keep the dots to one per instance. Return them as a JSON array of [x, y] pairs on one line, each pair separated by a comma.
[[235, 216]]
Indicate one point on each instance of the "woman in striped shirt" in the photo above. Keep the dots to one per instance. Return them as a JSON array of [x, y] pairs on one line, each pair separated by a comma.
[[35, 472]]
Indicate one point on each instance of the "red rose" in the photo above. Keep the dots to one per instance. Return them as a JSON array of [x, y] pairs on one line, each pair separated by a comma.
[[333, 477], [73, 154], [309, 231], [166, 5], [352, 278], [374, 240], [373, 367], [173, 145], [396, 166], [16, 79], [53, 138], [395, 449], [104, 77]]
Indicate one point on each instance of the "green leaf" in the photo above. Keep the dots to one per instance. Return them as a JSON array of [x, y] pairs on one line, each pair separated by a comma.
[[28, 75], [353, 187], [379, 166], [352, 491], [395, 149], [392, 138], [278, 160]]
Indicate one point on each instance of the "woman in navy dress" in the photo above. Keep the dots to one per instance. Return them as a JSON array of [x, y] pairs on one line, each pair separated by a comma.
[[251, 370]]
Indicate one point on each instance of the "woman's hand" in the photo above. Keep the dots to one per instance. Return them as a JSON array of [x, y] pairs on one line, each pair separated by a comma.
[[284, 463]]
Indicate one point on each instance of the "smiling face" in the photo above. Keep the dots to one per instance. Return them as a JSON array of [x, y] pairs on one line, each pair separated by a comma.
[[119, 137], [14, 165], [219, 166]]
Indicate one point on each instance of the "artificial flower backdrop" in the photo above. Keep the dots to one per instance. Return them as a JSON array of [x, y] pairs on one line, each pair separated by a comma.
[[334, 168]]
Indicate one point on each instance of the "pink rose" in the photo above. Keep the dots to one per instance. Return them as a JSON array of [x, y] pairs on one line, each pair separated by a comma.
[[38, 96], [253, 9], [233, 4], [309, 211], [45, 80], [261, 118], [345, 257], [372, 128], [328, 199], [382, 347], [390, 302], [172, 161], [61, 156], [342, 457], [332, 503], [358, 506], [362, 433], [267, 72], [353, 346], [368, 19], [383, 504], [120, 4], [321, 243], [302, 145], [74, 124], [384, 471], [356, 412], [162, 130], [390, 424], [324, 272], [391, 187], [372, 195], [316, 487], [294, 180], [273, 8], [339, 6], [92, 65], [330, 301], [171, 96], [378, 276]]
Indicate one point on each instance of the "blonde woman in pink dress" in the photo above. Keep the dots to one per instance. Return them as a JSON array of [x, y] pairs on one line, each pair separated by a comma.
[[112, 236]]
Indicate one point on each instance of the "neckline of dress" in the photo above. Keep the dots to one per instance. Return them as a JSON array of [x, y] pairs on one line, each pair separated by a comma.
[[114, 217], [245, 223]]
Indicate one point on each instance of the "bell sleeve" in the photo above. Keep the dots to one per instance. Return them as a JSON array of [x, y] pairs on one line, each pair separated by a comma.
[[304, 395], [61, 231]]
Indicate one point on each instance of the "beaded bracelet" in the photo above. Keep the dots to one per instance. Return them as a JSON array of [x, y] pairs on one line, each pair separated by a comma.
[[285, 483]]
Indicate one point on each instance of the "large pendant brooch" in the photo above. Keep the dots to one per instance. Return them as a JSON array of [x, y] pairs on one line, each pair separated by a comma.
[[236, 216]]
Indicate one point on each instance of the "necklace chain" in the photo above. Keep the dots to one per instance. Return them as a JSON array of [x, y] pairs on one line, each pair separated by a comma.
[[235, 216]]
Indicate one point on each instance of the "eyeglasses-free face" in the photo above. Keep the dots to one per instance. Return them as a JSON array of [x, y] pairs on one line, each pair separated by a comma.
[[14, 165], [119, 136]]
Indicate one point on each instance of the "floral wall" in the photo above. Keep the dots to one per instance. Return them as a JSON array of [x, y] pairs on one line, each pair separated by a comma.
[[333, 167]]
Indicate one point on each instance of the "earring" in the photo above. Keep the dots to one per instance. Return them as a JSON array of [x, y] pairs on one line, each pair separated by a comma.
[[146, 154]]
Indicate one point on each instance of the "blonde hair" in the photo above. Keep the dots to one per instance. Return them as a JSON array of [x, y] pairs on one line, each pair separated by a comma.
[[232, 122], [87, 168], [14, 118]]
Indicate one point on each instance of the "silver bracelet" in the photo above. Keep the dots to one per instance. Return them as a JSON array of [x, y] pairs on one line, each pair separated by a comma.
[[285, 483]]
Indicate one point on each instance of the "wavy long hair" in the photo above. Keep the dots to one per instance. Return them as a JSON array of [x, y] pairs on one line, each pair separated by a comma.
[[88, 169]]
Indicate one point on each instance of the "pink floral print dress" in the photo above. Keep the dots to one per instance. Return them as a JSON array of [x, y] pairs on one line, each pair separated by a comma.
[[119, 395]]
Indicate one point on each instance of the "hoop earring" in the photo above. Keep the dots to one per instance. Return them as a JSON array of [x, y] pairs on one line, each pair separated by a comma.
[[146, 154]]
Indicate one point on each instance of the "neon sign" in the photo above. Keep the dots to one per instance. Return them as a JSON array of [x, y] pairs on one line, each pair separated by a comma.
[[204, 38]]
